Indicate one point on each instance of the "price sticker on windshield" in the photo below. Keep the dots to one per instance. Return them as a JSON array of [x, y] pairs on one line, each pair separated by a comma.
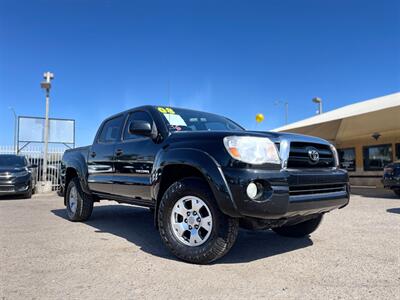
[[166, 110]]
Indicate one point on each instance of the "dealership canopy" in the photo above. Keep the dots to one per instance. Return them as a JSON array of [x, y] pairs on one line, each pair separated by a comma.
[[380, 115]]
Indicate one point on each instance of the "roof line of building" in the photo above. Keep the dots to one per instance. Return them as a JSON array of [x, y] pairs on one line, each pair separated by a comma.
[[355, 109]]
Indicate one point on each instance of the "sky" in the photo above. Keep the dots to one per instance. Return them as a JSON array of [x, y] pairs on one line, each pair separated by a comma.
[[235, 58]]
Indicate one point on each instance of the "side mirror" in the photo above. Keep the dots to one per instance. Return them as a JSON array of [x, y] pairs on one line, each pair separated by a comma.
[[140, 128], [32, 166]]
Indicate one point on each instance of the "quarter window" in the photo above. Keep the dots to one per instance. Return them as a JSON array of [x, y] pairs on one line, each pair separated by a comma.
[[376, 157], [347, 159], [111, 130], [136, 116]]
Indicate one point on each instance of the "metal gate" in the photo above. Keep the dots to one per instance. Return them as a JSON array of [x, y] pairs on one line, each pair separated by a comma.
[[34, 155]]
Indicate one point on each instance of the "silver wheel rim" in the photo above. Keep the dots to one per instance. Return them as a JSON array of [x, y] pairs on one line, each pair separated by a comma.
[[191, 221], [73, 199]]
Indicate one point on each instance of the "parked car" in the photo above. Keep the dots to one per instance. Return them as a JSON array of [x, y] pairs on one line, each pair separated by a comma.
[[204, 176], [16, 176], [391, 177]]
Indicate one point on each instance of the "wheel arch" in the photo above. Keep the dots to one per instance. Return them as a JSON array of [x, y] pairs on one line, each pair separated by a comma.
[[74, 166], [176, 164]]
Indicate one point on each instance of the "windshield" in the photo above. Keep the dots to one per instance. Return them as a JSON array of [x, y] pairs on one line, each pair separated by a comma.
[[12, 161], [178, 119]]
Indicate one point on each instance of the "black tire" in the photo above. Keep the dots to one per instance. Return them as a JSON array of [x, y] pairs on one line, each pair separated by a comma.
[[222, 234], [397, 192], [28, 193], [84, 203], [299, 230]]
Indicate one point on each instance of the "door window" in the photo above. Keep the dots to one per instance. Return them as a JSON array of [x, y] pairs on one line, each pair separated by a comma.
[[376, 157], [347, 159], [398, 151], [136, 116], [111, 130]]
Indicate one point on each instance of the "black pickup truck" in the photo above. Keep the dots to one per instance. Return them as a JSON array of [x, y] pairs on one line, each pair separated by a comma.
[[203, 175], [391, 177]]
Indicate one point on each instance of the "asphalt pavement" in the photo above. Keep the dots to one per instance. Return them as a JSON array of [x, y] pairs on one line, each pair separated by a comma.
[[118, 254]]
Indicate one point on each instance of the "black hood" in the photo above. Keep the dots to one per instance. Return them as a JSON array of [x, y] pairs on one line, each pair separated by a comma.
[[11, 169], [274, 136]]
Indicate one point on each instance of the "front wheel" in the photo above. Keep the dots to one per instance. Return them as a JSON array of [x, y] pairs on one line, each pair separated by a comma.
[[79, 205], [28, 193], [191, 224], [299, 230], [397, 192]]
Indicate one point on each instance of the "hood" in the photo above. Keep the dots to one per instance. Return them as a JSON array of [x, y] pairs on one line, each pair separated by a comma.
[[11, 169], [274, 136]]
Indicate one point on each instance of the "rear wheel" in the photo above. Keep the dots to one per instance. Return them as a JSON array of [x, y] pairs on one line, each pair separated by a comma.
[[191, 224], [78, 204], [397, 192], [299, 230]]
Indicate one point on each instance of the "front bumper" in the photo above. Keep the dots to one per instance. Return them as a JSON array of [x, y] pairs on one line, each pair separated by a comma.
[[391, 182], [288, 193], [15, 185]]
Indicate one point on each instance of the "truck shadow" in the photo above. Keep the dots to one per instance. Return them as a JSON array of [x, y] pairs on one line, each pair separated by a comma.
[[394, 210], [374, 193], [135, 224], [12, 197]]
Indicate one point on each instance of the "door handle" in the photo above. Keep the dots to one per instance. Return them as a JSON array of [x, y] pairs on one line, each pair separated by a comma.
[[92, 154], [119, 152]]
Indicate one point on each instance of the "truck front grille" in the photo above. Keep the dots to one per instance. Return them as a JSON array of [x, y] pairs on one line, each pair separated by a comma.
[[300, 157], [316, 189]]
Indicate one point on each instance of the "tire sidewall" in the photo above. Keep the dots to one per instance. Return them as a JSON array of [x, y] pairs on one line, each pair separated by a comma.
[[28, 194], [189, 187], [301, 229], [180, 193], [73, 216]]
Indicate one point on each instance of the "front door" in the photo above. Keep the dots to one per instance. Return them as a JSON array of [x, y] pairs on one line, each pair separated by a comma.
[[100, 159], [133, 161]]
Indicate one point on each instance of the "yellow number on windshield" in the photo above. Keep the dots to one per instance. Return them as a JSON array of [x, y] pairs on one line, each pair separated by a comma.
[[166, 110]]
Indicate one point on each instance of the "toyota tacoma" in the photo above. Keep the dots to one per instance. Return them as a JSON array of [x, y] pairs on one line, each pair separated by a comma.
[[204, 176]]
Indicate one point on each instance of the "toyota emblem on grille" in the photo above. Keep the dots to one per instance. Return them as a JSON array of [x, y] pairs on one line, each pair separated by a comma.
[[313, 155]]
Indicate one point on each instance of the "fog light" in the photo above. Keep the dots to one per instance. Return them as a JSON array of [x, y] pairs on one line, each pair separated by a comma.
[[252, 190], [21, 188]]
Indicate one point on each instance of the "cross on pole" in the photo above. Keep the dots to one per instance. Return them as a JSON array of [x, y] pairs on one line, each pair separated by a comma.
[[46, 84]]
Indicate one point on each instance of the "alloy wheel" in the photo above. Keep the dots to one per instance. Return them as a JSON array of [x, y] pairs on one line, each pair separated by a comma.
[[191, 221]]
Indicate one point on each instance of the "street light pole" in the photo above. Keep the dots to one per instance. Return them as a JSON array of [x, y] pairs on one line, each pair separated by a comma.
[[319, 102], [286, 112], [46, 85], [15, 129], [286, 104]]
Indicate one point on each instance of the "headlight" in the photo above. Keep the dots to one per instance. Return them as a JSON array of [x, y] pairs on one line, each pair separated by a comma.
[[252, 150], [335, 155]]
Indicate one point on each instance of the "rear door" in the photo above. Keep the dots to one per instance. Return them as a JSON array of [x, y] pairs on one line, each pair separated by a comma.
[[133, 161], [100, 160]]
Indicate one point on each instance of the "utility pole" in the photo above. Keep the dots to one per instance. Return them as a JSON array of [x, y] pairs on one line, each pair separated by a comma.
[[46, 85], [286, 105], [319, 102], [286, 112], [15, 129]]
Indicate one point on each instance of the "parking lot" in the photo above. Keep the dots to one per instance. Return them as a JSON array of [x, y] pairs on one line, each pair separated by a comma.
[[119, 255]]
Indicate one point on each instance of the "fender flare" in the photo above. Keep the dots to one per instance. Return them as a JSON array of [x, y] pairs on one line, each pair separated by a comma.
[[205, 164], [78, 163]]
